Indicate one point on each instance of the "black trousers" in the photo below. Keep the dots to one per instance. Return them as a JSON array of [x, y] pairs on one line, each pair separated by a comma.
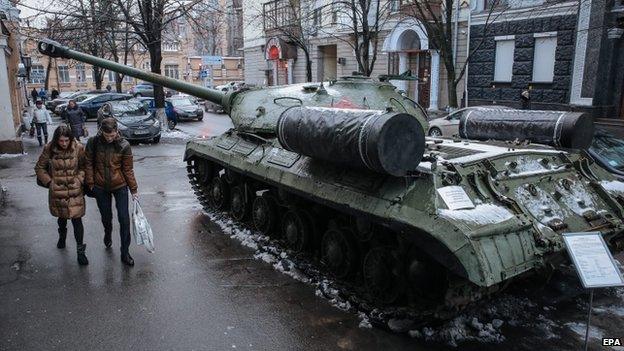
[[104, 199], [42, 128], [78, 228]]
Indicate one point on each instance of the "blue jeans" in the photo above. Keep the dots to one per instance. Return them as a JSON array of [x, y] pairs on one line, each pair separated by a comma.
[[105, 202]]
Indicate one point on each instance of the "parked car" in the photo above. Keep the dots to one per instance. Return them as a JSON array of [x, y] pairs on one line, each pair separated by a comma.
[[63, 98], [92, 104], [142, 89], [82, 97], [151, 106], [608, 151], [134, 120], [185, 108], [232, 86], [448, 125]]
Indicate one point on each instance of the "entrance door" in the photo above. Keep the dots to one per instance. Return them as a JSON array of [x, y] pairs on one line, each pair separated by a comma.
[[327, 64], [424, 73]]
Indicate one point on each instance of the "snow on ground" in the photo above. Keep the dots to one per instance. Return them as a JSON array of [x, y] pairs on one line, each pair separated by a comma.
[[613, 186], [3, 156], [175, 134], [580, 328]]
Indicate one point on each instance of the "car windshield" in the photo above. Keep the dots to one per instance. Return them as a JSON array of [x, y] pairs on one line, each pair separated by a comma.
[[83, 97], [129, 110], [181, 102], [611, 149]]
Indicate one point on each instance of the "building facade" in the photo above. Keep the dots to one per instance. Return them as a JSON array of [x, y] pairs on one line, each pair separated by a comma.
[[565, 54], [11, 101], [272, 56]]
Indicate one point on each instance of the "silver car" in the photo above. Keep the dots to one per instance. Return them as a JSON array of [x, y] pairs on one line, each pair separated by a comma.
[[448, 125]]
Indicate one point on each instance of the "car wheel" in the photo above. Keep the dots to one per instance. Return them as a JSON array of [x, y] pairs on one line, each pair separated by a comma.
[[171, 125], [435, 132], [200, 118], [156, 139]]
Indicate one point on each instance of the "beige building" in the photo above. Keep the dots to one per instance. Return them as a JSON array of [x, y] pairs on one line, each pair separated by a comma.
[[182, 59], [272, 59], [11, 101]]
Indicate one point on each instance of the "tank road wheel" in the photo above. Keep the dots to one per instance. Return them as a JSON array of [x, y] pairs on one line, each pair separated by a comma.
[[339, 252], [218, 193], [264, 214], [204, 171], [296, 230], [239, 204], [381, 276]]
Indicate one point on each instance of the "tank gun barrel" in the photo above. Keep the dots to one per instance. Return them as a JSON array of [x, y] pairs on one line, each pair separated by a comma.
[[53, 49]]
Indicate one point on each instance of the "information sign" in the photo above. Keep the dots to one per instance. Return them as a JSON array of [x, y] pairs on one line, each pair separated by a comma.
[[212, 60], [593, 260], [455, 197]]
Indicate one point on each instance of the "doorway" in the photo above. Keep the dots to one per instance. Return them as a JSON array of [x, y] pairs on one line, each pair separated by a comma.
[[327, 63]]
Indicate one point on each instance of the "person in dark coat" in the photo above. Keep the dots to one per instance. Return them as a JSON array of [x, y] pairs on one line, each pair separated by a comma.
[[54, 94], [34, 94], [43, 94], [75, 118]]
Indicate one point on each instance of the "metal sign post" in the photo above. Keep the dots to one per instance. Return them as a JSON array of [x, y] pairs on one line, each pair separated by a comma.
[[594, 264]]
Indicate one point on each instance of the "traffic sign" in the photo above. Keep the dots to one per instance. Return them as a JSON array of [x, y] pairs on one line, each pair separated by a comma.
[[212, 60], [203, 74]]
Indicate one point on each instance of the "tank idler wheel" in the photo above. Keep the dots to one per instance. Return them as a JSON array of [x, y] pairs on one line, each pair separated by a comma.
[[232, 177], [264, 214], [380, 271], [296, 230], [339, 252], [239, 204], [365, 229], [218, 193]]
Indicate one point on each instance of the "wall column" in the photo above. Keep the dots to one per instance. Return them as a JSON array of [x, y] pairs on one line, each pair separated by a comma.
[[275, 72], [291, 62], [7, 127], [434, 90]]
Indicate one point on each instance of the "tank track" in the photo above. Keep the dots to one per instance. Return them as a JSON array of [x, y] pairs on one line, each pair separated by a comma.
[[348, 284]]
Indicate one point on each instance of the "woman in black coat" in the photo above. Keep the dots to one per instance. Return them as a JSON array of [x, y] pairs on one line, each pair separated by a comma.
[[75, 118]]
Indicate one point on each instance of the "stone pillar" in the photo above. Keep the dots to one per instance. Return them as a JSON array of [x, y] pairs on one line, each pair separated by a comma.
[[7, 126], [275, 72], [291, 62], [403, 66], [434, 90]]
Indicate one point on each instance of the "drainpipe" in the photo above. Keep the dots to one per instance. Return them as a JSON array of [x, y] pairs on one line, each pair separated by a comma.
[[456, 32]]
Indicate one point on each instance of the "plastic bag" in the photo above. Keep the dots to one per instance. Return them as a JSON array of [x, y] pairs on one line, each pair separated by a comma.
[[141, 228]]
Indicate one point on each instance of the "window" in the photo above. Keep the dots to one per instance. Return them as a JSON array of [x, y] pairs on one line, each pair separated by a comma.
[[277, 14], [80, 73], [503, 69], [37, 74], [147, 66], [317, 17], [171, 71], [111, 76], [393, 63], [63, 74], [171, 46], [544, 58]]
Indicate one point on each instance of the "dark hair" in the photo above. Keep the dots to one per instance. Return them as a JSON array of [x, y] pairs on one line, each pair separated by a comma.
[[108, 125], [70, 101], [62, 131]]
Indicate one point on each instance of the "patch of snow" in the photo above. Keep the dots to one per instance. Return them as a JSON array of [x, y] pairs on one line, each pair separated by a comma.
[[480, 215], [175, 134], [613, 186], [3, 156], [614, 310], [463, 328], [364, 321], [542, 206], [578, 199], [579, 329]]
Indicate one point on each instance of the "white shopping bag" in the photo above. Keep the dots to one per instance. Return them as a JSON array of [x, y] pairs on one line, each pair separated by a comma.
[[141, 228]]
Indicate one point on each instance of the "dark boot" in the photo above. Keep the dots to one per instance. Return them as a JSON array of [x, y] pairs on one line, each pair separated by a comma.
[[127, 259], [82, 258], [62, 236], [107, 240], [40, 142]]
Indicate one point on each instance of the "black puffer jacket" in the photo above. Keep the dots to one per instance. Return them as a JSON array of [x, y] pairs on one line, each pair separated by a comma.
[[75, 117]]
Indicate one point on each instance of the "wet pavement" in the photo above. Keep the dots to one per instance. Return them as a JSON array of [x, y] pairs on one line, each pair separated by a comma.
[[202, 290]]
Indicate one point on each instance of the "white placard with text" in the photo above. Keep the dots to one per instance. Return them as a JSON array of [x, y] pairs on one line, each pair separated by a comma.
[[455, 197], [593, 260]]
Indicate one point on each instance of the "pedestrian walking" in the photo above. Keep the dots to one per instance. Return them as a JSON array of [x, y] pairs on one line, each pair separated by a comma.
[[75, 118], [41, 118], [110, 173], [54, 94], [43, 94], [61, 169], [34, 95]]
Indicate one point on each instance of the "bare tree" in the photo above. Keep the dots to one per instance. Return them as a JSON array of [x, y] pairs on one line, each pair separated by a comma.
[[438, 19], [208, 20]]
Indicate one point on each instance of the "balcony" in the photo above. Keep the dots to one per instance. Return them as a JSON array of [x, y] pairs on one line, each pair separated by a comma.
[[279, 14]]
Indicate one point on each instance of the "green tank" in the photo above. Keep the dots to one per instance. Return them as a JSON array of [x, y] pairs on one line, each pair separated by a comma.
[[341, 172]]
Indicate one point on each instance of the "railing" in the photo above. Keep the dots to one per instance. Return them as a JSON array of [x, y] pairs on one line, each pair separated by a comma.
[[278, 14]]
